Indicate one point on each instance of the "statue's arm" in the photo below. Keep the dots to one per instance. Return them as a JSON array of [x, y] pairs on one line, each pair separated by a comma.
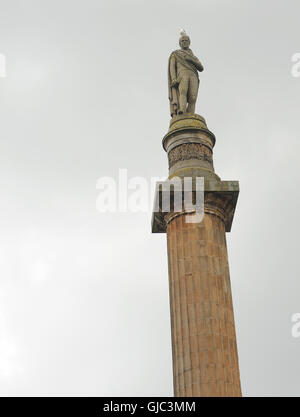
[[196, 62], [199, 66]]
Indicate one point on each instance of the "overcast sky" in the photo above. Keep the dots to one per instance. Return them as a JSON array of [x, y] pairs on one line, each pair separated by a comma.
[[84, 304]]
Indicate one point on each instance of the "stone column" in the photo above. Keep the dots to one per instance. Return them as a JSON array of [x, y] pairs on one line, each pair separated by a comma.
[[205, 359]]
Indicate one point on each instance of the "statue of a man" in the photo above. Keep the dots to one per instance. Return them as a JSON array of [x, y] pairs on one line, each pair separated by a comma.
[[183, 78]]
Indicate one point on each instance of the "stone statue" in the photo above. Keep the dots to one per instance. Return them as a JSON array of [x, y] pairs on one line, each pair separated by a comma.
[[183, 78]]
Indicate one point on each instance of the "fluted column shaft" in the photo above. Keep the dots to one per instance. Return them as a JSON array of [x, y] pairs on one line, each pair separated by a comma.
[[205, 359]]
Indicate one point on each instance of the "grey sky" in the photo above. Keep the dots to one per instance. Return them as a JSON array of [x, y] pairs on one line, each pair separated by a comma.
[[84, 306]]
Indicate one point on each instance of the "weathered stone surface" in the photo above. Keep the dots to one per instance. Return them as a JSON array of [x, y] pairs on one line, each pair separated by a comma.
[[220, 198], [189, 146], [183, 78], [205, 359], [187, 120], [188, 151]]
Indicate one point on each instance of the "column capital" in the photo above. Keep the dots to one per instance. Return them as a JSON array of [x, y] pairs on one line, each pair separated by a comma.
[[220, 198]]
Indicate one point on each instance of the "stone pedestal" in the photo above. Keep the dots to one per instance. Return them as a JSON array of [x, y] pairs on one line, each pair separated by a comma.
[[205, 359]]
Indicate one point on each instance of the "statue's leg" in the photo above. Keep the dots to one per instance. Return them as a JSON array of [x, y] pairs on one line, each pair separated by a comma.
[[192, 93], [183, 89]]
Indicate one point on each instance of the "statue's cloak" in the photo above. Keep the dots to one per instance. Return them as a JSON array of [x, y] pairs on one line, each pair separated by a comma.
[[173, 91]]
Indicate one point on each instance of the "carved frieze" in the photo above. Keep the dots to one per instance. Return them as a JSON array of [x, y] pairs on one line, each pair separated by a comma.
[[188, 151]]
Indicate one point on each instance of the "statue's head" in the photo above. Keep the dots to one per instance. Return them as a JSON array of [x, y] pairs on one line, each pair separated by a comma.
[[184, 40]]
